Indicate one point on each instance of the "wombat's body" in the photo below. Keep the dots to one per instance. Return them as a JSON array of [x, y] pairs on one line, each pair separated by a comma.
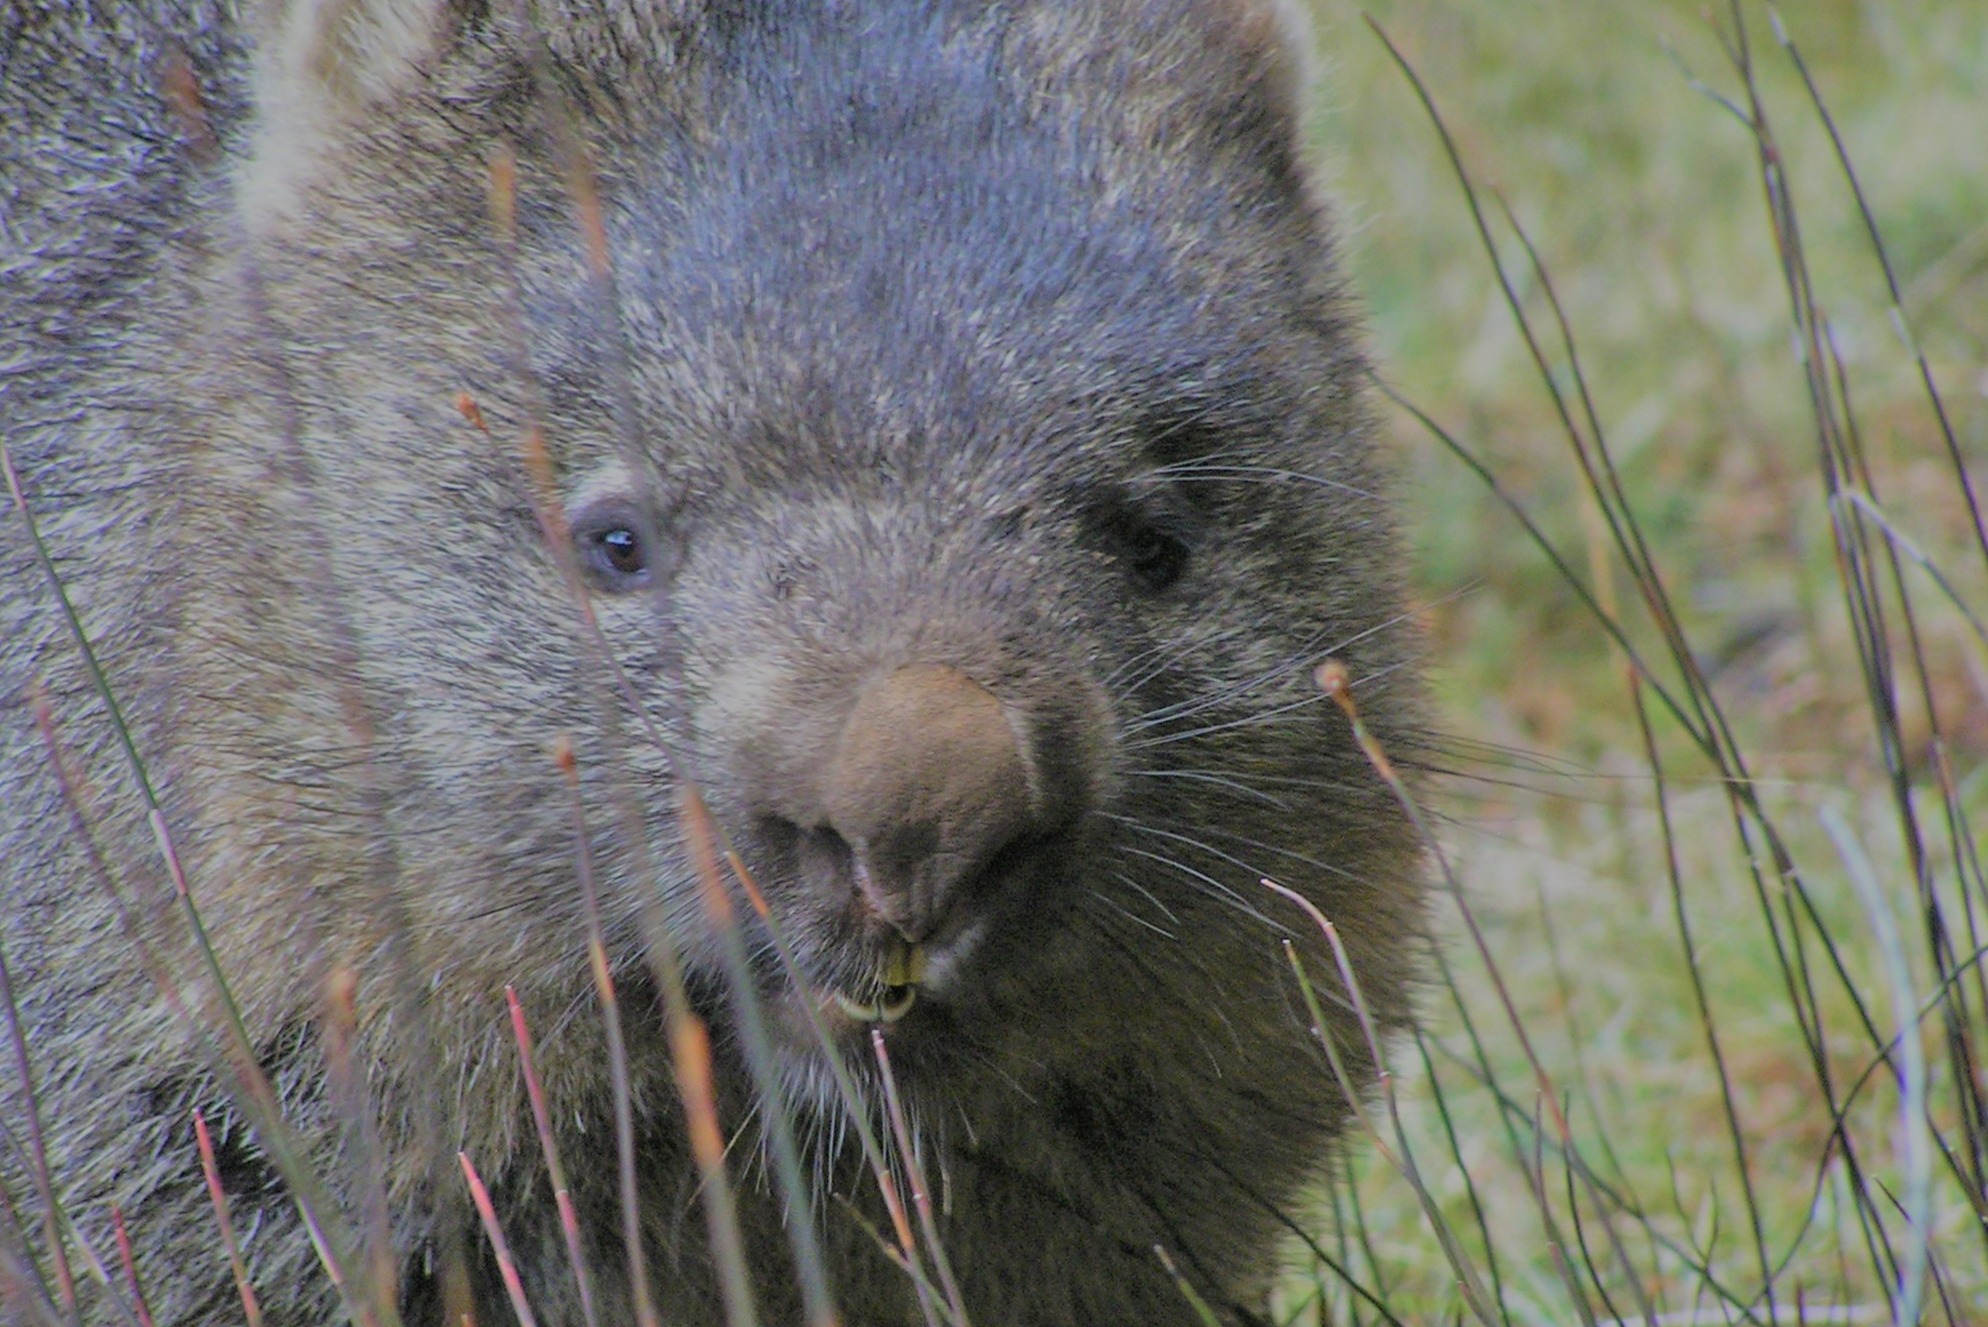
[[968, 465]]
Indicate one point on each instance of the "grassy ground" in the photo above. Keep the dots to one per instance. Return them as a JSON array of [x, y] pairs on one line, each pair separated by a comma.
[[1707, 1186]]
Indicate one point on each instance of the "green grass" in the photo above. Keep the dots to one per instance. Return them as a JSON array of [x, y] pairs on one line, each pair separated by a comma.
[[1644, 198]]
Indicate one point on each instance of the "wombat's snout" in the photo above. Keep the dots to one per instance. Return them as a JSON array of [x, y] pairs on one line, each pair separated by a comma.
[[927, 785]]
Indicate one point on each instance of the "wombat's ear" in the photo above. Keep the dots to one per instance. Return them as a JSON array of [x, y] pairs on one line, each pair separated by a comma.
[[1278, 33], [1272, 41], [1230, 75], [323, 66]]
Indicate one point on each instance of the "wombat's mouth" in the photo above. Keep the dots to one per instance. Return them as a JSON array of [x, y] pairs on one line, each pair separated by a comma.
[[894, 1004], [883, 994], [892, 990]]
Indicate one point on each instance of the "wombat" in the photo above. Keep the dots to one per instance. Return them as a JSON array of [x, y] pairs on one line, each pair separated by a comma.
[[934, 431]]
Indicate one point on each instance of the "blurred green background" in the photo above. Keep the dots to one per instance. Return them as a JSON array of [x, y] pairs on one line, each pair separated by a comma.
[[1599, 124], [1645, 199]]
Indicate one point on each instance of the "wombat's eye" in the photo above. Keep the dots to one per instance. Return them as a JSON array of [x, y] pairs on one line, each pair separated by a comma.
[[1156, 558], [623, 551], [612, 548]]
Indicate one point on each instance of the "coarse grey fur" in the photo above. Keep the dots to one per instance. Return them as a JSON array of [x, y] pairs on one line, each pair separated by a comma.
[[1001, 341]]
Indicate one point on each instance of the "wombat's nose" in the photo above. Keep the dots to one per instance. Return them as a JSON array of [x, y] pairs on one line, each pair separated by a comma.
[[928, 783]]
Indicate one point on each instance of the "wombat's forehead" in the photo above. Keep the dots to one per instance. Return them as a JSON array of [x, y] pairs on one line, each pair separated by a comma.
[[906, 265]]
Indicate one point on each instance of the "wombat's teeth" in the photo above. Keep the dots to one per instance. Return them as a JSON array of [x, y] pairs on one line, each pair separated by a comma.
[[897, 986], [904, 964]]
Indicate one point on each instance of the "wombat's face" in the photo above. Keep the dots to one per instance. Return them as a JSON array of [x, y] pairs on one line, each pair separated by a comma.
[[968, 474]]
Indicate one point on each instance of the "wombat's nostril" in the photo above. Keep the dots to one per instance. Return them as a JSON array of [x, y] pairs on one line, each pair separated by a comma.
[[928, 784]]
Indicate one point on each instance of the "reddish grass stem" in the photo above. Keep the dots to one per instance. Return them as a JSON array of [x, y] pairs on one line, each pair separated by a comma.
[[562, 1193], [130, 1265], [921, 1198], [219, 1198], [507, 1267]]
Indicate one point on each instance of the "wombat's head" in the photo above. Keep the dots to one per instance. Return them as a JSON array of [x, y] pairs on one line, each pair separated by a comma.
[[968, 467]]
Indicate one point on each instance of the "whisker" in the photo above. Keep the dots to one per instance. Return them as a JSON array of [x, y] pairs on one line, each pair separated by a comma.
[[1222, 892], [1308, 655], [1127, 913], [1193, 470], [1254, 719], [1148, 895], [1214, 780]]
